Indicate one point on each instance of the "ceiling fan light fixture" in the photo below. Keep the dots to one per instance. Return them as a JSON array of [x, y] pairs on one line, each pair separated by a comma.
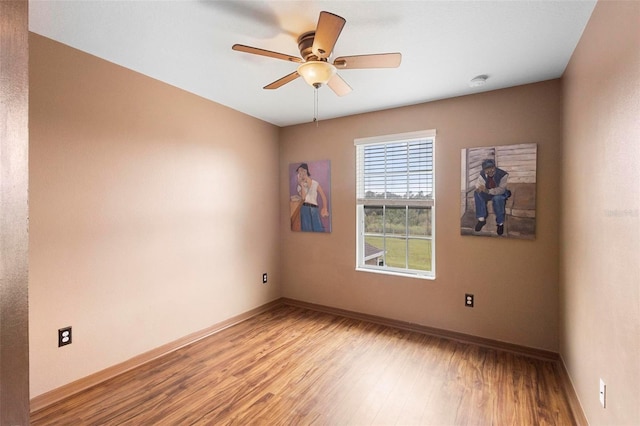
[[316, 73]]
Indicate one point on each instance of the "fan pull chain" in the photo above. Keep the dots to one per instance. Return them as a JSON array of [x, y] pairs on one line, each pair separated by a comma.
[[315, 105]]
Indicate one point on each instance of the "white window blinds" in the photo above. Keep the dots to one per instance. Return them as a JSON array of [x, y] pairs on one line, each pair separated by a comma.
[[395, 169]]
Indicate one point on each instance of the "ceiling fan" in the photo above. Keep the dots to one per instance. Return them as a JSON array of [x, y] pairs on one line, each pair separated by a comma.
[[316, 48]]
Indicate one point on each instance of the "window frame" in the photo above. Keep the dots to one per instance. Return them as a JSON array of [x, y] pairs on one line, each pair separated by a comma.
[[362, 202]]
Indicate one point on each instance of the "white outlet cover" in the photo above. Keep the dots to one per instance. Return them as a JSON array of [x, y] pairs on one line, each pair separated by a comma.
[[603, 393]]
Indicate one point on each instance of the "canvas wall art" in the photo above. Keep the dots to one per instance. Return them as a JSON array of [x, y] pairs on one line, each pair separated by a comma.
[[310, 196], [498, 191]]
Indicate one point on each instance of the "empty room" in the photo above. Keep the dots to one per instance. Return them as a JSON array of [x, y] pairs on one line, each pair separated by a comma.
[[320, 212]]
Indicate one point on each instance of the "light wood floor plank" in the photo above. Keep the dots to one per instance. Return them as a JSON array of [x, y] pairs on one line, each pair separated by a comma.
[[292, 365]]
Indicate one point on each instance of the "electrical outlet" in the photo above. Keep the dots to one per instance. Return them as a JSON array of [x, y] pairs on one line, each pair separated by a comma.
[[603, 394], [264, 278], [468, 300], [64, 336]]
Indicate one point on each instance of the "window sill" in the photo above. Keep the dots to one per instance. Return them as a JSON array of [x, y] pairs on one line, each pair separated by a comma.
[[396, 273]]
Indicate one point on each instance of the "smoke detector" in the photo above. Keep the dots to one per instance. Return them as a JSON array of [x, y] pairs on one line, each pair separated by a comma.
[[478, 81]]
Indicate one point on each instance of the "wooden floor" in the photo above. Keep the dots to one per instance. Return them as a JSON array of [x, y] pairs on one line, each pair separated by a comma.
[[295, 366]]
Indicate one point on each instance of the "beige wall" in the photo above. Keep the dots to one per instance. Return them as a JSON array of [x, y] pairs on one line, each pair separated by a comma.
[[600, 273], [515, 282], [153, 213]]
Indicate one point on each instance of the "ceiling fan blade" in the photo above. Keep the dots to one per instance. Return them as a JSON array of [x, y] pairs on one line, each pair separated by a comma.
[[339, 86], [282, 81], [379, 60], [268, 53], [327, 32]]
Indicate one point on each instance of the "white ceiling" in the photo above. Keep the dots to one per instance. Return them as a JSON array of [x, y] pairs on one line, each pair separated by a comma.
[[187, 43]]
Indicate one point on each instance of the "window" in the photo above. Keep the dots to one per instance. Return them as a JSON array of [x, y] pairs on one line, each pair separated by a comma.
[[395, 204]]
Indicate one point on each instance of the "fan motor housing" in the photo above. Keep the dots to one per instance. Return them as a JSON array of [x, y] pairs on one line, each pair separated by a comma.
[[305, 45]]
